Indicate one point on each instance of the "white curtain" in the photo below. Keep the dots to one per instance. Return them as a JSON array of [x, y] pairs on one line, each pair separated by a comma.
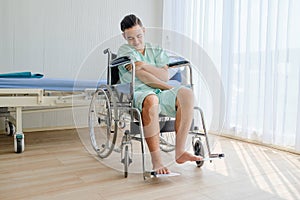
[[255, 46]]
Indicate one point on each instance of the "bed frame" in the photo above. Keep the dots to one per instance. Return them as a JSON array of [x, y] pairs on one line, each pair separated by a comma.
[[17, 94]]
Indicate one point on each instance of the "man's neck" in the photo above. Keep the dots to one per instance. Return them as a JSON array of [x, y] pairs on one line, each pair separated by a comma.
[[142, 51]]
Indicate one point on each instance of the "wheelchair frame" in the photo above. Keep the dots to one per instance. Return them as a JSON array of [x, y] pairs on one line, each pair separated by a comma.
[[107, 108]]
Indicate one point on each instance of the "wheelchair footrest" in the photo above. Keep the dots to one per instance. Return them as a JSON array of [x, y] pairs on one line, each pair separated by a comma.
[[153, 174], [214, 156]]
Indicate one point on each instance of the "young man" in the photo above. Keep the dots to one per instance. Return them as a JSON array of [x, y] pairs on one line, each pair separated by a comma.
[[152, 93]]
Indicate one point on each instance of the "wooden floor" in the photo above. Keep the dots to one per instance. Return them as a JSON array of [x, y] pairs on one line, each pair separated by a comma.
[[60, 165]]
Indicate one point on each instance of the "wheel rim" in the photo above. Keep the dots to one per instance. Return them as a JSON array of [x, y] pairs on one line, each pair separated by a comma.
[[102, 126]]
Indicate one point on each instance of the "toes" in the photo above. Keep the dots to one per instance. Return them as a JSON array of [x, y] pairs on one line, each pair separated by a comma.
[[162, 170]]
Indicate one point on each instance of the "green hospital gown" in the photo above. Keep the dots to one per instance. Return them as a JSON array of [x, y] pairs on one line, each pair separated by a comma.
[[155, 56]]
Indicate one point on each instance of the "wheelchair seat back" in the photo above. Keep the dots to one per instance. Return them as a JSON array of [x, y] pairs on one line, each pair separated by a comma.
[[115, 78]]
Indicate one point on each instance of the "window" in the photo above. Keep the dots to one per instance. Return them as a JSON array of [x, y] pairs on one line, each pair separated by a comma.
[[255, 47]]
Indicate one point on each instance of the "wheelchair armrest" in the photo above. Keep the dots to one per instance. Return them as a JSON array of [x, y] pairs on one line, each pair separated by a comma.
[[120, 61], [175, 65], [178, 63]]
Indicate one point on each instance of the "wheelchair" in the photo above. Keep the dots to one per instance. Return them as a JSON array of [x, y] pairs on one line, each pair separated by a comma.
[[112, 113]]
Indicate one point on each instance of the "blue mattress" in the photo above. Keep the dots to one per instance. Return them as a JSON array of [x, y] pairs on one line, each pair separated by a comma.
[[50, 83], [38, 81]]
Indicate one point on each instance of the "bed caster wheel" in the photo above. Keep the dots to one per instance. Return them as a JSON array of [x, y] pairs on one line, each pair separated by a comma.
[[19, 143], [10, 128], [199, 151]]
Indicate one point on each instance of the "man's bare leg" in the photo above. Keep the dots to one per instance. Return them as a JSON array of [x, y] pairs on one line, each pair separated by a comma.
[[185, 106], [150, 118]]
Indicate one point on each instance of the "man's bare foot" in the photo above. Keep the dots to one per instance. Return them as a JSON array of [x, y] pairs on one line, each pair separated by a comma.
[[162, 170], [186, 156]]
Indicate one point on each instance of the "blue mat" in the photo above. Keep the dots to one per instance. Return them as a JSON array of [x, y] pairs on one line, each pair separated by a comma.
[[21, 75], [50, 84]]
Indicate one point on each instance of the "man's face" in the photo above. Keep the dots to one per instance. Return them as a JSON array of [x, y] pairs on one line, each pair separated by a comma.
[[135, 37]]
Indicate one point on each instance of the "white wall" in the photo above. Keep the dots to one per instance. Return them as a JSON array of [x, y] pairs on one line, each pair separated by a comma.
[[50, 35], [59, 38]]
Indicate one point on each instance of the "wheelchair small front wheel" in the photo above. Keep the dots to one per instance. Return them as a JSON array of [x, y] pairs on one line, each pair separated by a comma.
[[199, 151], [126, 161]]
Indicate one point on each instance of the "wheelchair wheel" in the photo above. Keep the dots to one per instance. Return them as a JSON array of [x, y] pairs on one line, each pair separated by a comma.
[[199, 151], [102, 123], [167, 141]]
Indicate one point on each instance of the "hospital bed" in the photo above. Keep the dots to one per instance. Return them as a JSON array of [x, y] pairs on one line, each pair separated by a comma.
[[31, 91]]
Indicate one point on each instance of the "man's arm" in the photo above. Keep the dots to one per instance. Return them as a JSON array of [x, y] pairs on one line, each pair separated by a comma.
[[153, 76], [160, 73], [152, 80]]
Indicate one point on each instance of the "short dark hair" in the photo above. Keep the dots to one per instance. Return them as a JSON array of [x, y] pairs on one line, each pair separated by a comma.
[[130, 21]]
